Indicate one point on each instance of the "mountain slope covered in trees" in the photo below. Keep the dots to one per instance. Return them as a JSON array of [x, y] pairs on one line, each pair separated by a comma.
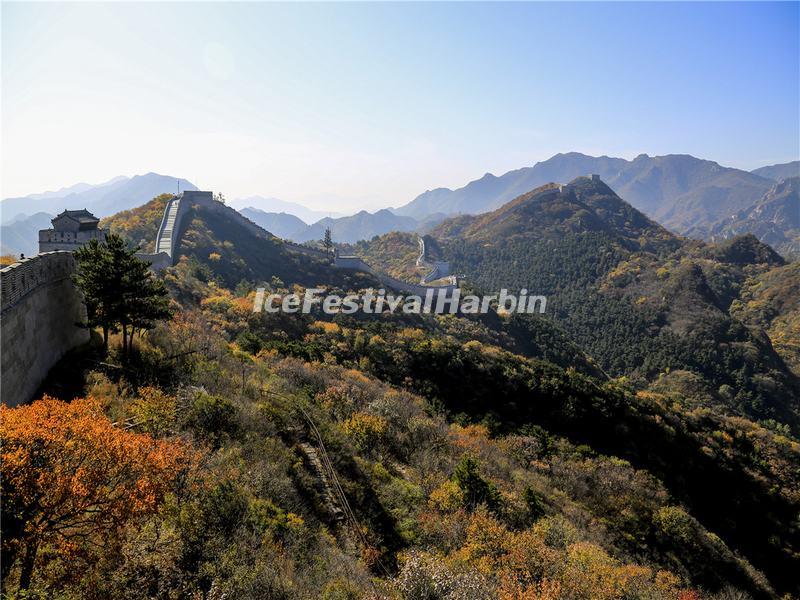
[[406, 456], [641, 301]]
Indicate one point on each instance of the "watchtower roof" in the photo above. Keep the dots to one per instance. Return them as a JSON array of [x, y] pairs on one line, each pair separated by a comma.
[[82, 217]]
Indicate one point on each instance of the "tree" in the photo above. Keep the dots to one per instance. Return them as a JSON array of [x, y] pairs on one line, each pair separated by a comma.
[[327, 241], [72, 480], [119, 290], [476, 489]]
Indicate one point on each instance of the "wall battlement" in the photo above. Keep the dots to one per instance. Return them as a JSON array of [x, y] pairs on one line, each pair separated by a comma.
[[40, 315], [24, 277]]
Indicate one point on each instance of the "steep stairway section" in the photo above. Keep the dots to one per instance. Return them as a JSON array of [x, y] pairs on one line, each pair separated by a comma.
[[165, 240]]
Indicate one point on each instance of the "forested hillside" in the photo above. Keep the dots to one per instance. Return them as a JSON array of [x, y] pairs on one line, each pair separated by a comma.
[[622, 446], [643, 302]]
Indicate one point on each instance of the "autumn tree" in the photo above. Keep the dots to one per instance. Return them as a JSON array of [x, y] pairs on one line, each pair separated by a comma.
[[120, 291], [72, 480]]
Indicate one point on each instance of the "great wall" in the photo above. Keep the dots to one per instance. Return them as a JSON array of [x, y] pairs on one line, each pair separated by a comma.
[[42, 312], [169, 233]]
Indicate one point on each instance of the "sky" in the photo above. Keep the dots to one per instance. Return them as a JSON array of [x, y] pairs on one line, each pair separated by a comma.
[[367, 105]]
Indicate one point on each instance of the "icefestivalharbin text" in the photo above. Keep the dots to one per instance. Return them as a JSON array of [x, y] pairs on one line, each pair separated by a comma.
[[435, 301]]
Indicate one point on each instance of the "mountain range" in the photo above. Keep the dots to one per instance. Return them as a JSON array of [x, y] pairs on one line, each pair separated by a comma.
[[105, 199], [774, 219], [344, 230], [687, 195], [638, 298], [680, 191], [780, 172], [649, 340], [360, 226], [276, 205], [282, 224], [21, 235]]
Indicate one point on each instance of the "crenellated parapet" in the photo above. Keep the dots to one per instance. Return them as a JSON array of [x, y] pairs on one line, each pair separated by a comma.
[[29, 274]]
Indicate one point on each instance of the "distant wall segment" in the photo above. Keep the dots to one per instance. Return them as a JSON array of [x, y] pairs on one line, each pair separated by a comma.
[[40, 315]]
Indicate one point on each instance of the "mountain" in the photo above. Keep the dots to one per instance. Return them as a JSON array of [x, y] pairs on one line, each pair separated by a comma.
[[480, 456], [218, 243], [657, 312], [360, 226], [771, 301], [282, 224], [680, 191], [636, 298], [490, 192], [779, 172], [121, 193], [275, 205], [774, 219], [552, 211], [21, 236], [74, 189]]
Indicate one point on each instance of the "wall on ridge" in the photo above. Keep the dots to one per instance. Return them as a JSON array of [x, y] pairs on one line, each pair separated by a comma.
[[206, 200], [357, 264], [40, 309]]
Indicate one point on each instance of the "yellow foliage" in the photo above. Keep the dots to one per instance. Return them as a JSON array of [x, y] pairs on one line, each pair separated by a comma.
[[487, 542], [154, 411], [365, 430], [448, 497], [326, 327]]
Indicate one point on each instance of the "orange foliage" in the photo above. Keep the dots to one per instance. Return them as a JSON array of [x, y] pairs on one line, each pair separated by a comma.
[[71, 478], [472, 438]]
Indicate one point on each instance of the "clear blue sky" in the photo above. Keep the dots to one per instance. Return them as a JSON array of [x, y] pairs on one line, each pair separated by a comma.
[[371, 104]]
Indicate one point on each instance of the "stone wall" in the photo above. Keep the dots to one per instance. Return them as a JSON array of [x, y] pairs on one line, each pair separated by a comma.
[[40, 309], [158, 261], [355, 263], [313, 252], [206, 200]]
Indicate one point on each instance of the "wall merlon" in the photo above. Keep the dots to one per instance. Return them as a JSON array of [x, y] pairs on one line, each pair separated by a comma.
[[25, 276]]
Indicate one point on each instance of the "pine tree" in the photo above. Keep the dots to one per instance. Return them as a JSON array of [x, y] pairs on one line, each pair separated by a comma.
[[328, 241], [120, 292]]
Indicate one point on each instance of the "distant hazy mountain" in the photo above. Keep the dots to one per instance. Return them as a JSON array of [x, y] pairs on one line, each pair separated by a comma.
[[276, 205], [780, 172], [360, 226], [680, 191], [281, 224], [74, 189], [22, 235], [774, 219], [121, 193], [491, 192]]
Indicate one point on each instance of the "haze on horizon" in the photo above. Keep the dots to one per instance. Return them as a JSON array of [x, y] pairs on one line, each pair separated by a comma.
[[347, 106]]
